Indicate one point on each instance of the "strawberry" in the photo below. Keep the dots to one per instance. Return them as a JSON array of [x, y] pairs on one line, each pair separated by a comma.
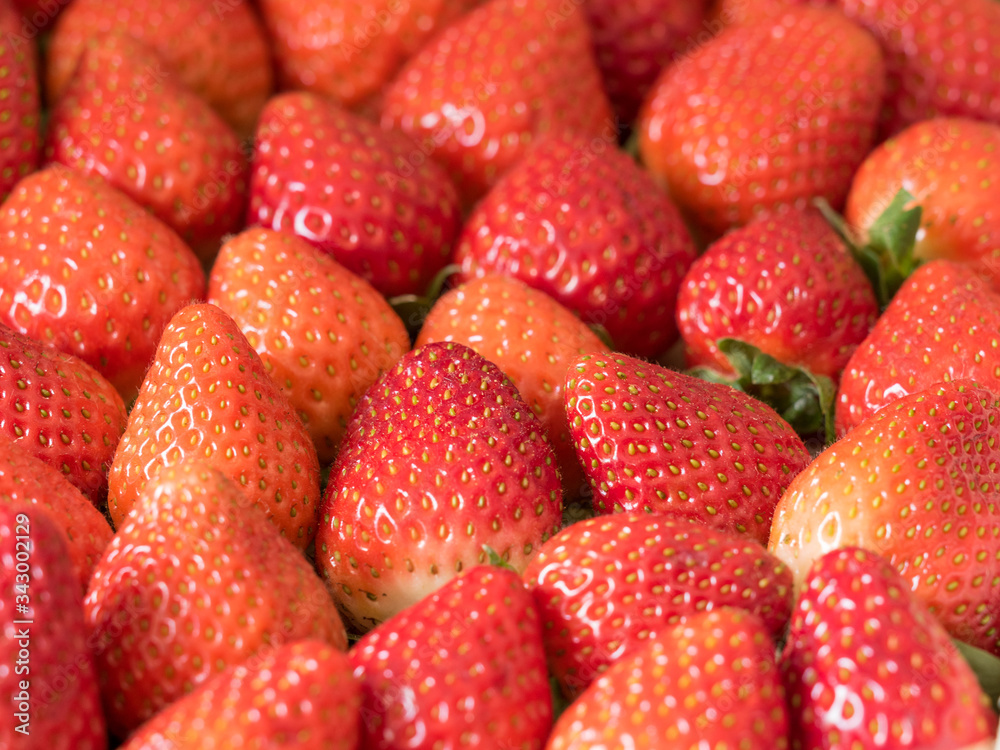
[[710, 683], [122, 117], [37, 15], [196, 580], [442, 457], [208, 395], [463, 667], [531, 338], [654, 572], [866, 666], [353, 191], [765, 117], [485, 88], [218, 50], [915, 483], [297, 695], [655, 440], [19, 137], [47, 685], [323, 334], [86, 270], [578, 220]]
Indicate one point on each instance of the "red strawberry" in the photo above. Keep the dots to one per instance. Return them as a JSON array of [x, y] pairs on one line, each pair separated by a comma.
[[916, 483], [196, 580], [336, 180], [122, 118], [581, 222], [208, 395], [765, 117], [484, 89], [866, 666], [86, 270], [464, 667], [655, 440], [324, 334], [297, 695], [442, 457], [47, 685], [605, 585], [19, 137], [710, 683]]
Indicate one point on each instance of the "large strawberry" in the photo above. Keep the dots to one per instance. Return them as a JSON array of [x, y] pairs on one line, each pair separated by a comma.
[[86, 270], [463, 667], [355, 192], [916, 483], [866, 666], [606, 584], [442, 457], [208, 395], [578, 220], [196, 580], [19, 136], [765, 117], [484, 89], [655, 440]]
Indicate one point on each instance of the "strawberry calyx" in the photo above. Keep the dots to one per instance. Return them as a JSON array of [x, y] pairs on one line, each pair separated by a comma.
[[413, 309], [985, 666], [494, 559]]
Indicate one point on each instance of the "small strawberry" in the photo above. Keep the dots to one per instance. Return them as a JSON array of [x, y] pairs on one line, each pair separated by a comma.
[[442, 457], [208, 395], [578, 220], [196, 580], [464, 667], [20, 142], [352, 190], [86, 270], [710, 683], [866, 666], [651, 572], [655, 440], [483, 90], [765, 117]]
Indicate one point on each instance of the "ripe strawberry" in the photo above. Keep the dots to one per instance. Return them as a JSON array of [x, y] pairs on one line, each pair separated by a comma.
[[336, 180], [47, 685], [710, 683], [581, 222], [86, 270], [208, 395], [19, 136], [480, 93], [218, 50], [765, 117], [655, 440], [196, 580], [915, 483], [121, 117], [297, 695], [464, 667], [866, 666], [323, 334], [442, 457], [654, 571]]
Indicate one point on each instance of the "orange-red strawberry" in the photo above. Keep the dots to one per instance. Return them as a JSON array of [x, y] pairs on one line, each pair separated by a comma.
[[86, 270], [196, 580], [20, 142], [354, 191], [207, 395], [324, 334]]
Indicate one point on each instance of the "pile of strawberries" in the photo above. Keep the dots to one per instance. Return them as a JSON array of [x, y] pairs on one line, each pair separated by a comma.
[[499, 374]]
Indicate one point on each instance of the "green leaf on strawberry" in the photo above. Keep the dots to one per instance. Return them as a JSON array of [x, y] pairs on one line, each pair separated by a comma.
[[985, 666]]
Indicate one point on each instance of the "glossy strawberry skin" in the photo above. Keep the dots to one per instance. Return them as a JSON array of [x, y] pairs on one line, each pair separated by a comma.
[[20, 141], [208, 395], [353, 191], [465, 666], [196, 580], [867, 666], [441, 458], [917, 484], [660, 441], [581, 222], [605, 585], [83, 288]]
